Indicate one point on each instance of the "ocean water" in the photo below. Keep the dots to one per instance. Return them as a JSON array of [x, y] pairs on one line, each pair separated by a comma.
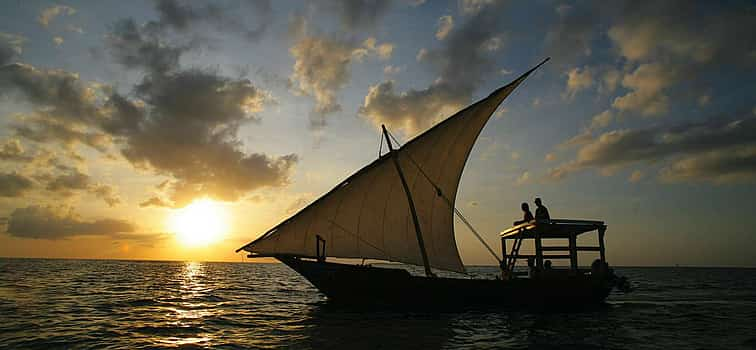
[[48, 304]]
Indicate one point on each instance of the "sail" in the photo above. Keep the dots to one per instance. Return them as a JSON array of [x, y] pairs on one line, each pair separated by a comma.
[[367, 215]]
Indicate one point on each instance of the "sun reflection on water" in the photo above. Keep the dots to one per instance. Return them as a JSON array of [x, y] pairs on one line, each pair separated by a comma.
[[191, 307]]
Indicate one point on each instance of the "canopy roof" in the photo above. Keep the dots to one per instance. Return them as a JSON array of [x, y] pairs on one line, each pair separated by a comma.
[[556, 228]]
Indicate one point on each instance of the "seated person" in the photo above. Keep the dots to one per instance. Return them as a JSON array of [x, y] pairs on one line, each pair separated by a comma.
[[542, 214], [532, 270], [527, 215], [547, 265]]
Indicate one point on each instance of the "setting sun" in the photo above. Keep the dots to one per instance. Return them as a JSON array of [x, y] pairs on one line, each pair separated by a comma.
[[202, 222]]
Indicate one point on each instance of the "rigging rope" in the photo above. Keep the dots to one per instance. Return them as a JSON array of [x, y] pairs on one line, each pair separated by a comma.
[[448, 202], [380, 144], [359, 238]]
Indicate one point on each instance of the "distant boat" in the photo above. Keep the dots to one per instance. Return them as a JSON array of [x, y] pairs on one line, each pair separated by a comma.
[[400, 208]]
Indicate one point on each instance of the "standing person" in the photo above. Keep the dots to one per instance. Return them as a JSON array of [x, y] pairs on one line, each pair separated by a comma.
[[527, 216], [542, 214]]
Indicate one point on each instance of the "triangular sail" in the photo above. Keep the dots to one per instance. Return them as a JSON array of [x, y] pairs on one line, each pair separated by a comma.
[[367, 215]]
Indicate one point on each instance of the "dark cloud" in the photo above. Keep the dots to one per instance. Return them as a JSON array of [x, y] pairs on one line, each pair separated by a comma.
[[67, 184], [14, 185], [177, 122], [576, 28], [696, 32], [463, 61], [181, 16], [10, 47], [49, 223], [54, 91], [107, 193], [360, 14], [45, 128], [716, 149], [154, 202], [68, 181], [142, 47], [12, 150], [190, 134]]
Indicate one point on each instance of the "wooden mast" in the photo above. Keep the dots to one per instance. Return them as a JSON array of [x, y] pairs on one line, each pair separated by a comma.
[[418, 233]]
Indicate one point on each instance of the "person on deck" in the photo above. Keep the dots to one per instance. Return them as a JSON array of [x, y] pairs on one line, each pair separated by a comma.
[[542, 214], [527, 216], [532, 270]]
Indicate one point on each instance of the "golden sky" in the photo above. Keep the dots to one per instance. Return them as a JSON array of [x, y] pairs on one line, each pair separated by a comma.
[[117, 117]]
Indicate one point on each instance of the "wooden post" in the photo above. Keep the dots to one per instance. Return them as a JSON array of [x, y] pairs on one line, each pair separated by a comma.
[[538, 249], [504, 262], [418, 233], [573, 252], [602, 252]]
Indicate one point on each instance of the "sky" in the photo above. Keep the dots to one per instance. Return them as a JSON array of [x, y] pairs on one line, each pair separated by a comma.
[[117, 116]]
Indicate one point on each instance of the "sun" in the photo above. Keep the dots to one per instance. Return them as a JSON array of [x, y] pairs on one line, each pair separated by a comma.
[[202, 222]]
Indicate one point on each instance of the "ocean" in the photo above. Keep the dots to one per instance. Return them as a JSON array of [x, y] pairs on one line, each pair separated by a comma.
[[101, 304]]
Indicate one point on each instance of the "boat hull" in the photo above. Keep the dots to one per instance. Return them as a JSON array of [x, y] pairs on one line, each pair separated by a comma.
[[367, 285]]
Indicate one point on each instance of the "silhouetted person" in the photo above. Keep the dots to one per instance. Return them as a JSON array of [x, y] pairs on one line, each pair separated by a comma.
[[527, 216], [531, 268], [542, 214], [547, 264]]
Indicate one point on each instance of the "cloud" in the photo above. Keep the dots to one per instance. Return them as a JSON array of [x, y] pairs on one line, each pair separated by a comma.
[[181, 16], [576, 28], [12, 150], [713, 150], [188, 131], [107, 193], [154, 202], [58, 41], [675, 29], [391, 70], [49, 128], [421, 54], [66, 184], [636, 176], [704, 100], [323, 66], [718, 166], [50, 13], [182, 123], [412, 110], [11, 46], [50, 223], [473, 7], [71, 181], [138, 47], [54, 92], [14, 185], [647, 84], [462, 63], [370, 45], [601, 120], [299, 203], [359, 14], [445, 25], [582, 138], [578, 79], [523, 179]]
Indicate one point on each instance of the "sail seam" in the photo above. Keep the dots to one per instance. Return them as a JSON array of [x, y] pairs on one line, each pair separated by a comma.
[[362, 207]]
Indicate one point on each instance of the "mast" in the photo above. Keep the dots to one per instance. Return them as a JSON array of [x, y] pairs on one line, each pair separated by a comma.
[[418, 233]]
